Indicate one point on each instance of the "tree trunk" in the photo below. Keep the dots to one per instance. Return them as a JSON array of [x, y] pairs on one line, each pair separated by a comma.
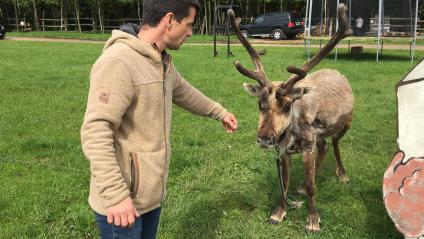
[[325, 17], [99, 7], [410, 18], [42, 21], [65, 14], [205, 21], [202, 27], [258, 6], [61, 15], [77, 15], [36, 20], [15, 3], [139, 11], [210, 19], [247, 9], [281, 5]]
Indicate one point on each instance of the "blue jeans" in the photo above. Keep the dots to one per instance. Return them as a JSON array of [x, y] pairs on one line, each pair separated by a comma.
[[145, 227]]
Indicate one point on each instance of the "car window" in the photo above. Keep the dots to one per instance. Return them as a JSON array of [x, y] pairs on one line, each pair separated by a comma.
[[260, 19]]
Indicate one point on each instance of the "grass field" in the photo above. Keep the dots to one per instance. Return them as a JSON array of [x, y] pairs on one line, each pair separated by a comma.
[[220, 185]]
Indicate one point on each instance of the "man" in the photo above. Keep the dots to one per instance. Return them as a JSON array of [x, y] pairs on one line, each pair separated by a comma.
[[359, 24], [2, 32], [125, 133]]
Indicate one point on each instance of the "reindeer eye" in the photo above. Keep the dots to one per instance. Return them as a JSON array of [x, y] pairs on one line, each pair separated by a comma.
[[262, 105], [286, 103], [287, 106]]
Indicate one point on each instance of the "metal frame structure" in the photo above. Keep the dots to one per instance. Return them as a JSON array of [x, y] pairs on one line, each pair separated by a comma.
[[216, 12], [379, 31]]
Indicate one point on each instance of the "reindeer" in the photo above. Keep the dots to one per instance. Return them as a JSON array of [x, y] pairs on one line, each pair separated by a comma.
[[298, 115]]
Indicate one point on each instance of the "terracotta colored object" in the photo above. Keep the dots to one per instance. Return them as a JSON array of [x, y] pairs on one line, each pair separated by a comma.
[[403, 192]]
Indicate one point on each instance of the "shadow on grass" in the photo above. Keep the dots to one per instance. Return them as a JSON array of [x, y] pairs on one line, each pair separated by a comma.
[[378, 222], [204, 215]]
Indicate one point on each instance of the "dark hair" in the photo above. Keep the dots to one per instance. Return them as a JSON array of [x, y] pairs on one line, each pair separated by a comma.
[[155, 10]]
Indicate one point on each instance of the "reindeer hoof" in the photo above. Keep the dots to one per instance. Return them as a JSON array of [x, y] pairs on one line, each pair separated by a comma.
[[342, 176], [312, 225], [278, 215]]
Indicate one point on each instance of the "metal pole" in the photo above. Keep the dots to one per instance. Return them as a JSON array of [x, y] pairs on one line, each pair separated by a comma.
[[215, 53], [337, 27], [309, 27], [415, 31], [380, 5], [350, 14], [306, 25], [320, 24], [229, 53]]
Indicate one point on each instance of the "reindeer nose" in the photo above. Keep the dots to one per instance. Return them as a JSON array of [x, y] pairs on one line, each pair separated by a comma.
[[265, 140]]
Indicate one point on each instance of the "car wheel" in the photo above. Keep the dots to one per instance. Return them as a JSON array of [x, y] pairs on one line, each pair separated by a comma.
[[278, 34], [245, 33]]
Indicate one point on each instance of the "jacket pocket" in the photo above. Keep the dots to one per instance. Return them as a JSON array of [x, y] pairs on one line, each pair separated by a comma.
[[147, 172], [135, 176]]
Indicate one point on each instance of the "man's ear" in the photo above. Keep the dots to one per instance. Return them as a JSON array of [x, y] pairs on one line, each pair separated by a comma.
[[253, 90], [300, 92], [168, 19]]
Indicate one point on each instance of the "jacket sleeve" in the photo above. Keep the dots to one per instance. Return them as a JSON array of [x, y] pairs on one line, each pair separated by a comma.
[[110, 94], [191, 99]]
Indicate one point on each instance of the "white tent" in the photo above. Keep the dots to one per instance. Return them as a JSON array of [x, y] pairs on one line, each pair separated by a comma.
[[411, 112]]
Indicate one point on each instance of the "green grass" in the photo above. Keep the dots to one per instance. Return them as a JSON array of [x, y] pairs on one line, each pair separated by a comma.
[[220, 185]]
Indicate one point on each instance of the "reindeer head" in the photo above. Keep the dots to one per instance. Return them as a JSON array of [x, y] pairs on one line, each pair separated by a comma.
[[276, 100], [275, 106]]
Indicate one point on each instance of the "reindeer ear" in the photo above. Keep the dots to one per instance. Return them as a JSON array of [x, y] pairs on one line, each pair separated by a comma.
[[253, 90], [299, 92]]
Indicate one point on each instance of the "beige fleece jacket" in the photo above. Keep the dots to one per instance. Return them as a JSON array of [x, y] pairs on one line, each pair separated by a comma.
[[125, 133]]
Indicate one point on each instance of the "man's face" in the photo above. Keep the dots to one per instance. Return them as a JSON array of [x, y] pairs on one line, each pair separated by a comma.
[[179, 31]]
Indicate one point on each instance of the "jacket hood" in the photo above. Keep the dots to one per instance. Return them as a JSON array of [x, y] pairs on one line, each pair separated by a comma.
[[128, 35]]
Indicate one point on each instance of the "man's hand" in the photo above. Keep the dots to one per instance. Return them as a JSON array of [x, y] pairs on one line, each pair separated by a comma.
[[230, 123], [122, 214]]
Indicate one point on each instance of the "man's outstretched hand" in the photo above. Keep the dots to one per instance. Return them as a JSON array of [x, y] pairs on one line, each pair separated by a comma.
[[230, 123]]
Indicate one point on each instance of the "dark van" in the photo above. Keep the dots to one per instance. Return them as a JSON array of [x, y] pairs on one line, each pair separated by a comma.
[[278, 25]]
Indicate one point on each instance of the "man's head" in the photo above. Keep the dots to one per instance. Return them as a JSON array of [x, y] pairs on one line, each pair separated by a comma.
[[175, 17]]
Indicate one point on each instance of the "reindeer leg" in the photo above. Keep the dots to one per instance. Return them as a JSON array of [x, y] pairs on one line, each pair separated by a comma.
[[313, 218], [309, 148], [340, 171], [280, 212], [322, 152]]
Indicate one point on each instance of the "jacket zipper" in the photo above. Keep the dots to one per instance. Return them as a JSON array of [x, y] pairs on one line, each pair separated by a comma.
[[165, 73]]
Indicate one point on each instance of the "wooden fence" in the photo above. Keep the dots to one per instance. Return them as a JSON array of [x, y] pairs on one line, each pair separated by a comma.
[[71, 24]]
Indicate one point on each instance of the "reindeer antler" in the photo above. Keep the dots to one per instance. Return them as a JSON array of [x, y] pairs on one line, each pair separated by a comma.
[[258, 75], [341, 33]]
